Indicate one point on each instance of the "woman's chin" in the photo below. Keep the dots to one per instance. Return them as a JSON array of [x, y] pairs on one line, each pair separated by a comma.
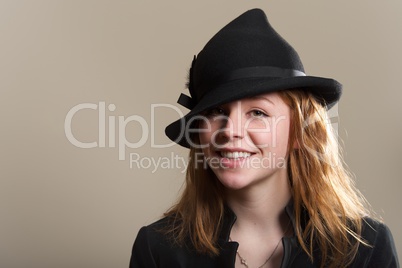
[[233, 181]]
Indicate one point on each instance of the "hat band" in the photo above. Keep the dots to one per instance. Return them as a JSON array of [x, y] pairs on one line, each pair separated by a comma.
[[244, 73], [258, 72]]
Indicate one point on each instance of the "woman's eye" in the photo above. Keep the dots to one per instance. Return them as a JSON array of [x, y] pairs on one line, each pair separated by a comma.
[[258, 113], [215, 112]]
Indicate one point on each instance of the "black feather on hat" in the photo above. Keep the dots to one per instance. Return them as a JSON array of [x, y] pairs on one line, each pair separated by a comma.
[[245, 58]]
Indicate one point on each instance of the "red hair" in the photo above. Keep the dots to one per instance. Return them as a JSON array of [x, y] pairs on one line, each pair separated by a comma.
[[320, 185]]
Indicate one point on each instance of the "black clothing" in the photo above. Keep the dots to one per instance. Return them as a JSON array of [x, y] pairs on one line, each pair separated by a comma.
[[153, 249]]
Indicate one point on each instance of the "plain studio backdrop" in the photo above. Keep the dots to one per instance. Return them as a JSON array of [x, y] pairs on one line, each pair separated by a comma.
[[100, 74]]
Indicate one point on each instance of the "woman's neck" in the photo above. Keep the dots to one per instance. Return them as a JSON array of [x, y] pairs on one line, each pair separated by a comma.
[[260, 208]]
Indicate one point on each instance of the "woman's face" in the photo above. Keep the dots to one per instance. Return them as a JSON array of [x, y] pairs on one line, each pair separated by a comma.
[[245, 142]]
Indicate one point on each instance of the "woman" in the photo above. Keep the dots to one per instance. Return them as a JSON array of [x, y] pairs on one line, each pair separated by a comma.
[[265, 186]]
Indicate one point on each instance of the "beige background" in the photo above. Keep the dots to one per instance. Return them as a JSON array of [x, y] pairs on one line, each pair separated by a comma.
[[64, 206]]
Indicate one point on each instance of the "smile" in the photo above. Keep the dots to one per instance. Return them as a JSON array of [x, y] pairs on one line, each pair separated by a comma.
[[234, 155]]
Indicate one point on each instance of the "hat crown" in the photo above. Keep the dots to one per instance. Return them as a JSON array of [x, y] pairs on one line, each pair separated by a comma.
[[247, 41], [245, 58]]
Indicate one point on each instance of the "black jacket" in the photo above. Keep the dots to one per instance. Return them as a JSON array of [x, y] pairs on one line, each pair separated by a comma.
[[153, 249]]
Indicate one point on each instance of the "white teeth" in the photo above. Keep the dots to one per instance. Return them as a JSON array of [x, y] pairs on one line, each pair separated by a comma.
[[235, 155]]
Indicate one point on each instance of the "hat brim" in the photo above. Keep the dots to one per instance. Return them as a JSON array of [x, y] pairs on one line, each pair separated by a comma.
[[327, 91]]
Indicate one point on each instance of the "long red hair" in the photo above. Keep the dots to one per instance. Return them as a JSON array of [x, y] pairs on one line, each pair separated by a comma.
[[320, 185]]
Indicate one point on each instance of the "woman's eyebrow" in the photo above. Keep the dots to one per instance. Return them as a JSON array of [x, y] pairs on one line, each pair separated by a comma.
[[262, 98]]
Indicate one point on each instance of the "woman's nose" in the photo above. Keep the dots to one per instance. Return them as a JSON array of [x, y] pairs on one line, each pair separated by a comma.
[[232, 126]]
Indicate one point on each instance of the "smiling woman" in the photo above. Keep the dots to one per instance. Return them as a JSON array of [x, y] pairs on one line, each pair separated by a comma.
[[271, 171], [242, 136]]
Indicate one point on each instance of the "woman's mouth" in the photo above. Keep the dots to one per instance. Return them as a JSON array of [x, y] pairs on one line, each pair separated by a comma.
[[233, 158], [234, 155]]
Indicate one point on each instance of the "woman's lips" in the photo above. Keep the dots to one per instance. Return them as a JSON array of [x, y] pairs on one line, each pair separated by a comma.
[[235, 154], [233, 158]]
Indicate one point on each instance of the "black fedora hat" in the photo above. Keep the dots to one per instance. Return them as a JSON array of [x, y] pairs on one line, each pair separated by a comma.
[[245, 58]]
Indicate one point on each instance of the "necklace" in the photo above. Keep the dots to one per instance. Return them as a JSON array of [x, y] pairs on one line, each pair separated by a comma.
[[243, 260]]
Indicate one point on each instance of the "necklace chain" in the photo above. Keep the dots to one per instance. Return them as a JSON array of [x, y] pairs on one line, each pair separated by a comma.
[[243, 260]]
